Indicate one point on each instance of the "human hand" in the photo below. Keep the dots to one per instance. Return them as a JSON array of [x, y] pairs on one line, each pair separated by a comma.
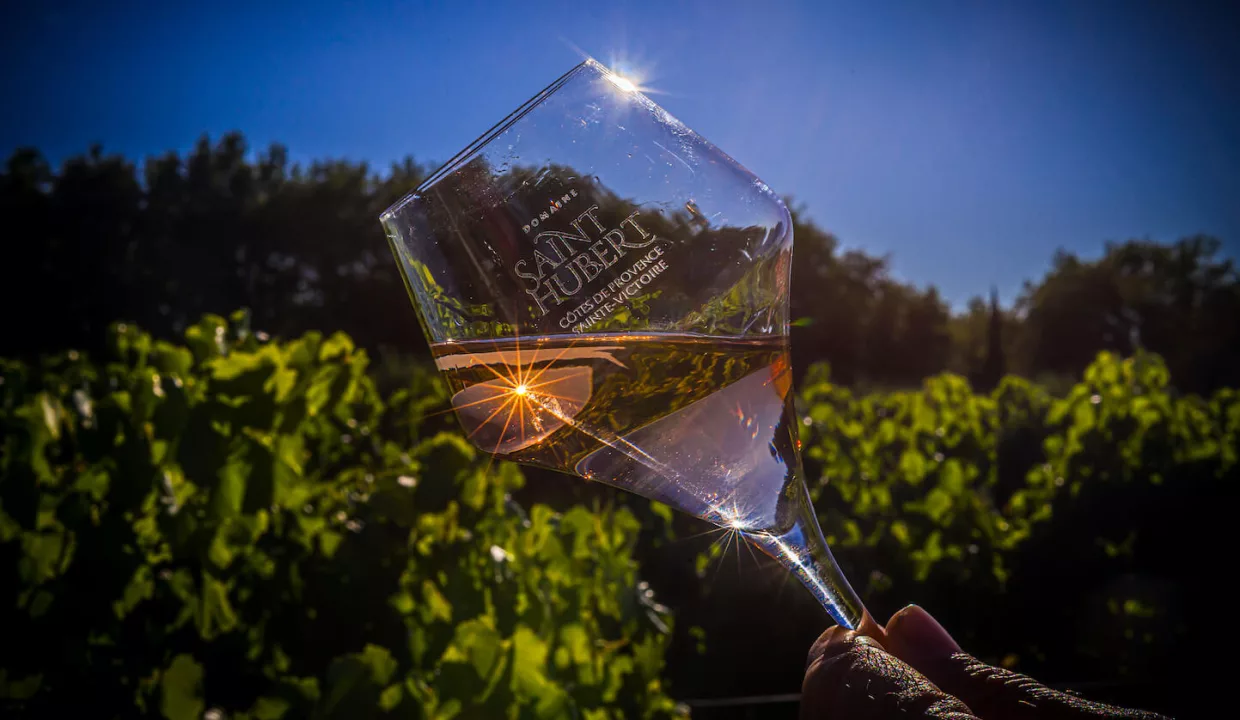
[[914, 669]]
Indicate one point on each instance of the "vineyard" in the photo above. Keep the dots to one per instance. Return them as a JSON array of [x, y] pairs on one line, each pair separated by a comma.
[[266, 528]]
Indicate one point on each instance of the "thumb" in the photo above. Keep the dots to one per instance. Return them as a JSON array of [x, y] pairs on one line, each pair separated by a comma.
[[851, 676], [917, 639]]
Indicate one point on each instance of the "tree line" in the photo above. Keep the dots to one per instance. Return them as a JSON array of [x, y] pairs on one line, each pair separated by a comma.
[[102, 238]]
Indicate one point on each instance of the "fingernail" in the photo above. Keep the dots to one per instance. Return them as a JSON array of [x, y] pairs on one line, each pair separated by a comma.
[[920, 632], [820, 645], [835, 641]]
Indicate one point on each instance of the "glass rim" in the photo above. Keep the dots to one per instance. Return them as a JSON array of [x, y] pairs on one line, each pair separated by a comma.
[[474, 147]]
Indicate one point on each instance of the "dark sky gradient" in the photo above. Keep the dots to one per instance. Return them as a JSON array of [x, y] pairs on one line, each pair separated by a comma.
[[967, 139]]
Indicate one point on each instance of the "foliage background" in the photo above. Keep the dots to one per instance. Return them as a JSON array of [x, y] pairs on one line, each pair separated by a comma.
[[251, 517], [248, 526]]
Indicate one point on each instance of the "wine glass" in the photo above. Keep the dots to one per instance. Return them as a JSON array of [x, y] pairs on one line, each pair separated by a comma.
[[606, 294]]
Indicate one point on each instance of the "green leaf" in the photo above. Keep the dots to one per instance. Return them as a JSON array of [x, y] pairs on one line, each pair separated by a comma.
[[913, 466], [379, 663], [141, 587], [335, 346], [529, 660], [288, 468], [575, 644], [216, 615], [51, 413], [228, 495], [355, 683], [477, 643], [581, 524], [172, 360], [181, 689], [662, 511], [648, 657], [529, 679], [219, 553], [206, 339], [329, 542], [43, 556], [1083, 417], [435, 605], [282, 382], [390, 698], [937, 504], [320, 390], [474, 489], [269, 708], [951, 478]]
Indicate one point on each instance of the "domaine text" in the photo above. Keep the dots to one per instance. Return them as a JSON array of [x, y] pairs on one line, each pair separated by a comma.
[[565, 262]]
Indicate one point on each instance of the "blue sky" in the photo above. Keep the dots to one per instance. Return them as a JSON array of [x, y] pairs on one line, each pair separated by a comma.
[[966, 139]]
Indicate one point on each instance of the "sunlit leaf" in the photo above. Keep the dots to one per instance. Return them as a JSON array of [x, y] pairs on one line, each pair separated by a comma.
[[181, 689]]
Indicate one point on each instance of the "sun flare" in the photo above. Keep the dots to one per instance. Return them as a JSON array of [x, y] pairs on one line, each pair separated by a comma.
[[528, 395], [622, 82]]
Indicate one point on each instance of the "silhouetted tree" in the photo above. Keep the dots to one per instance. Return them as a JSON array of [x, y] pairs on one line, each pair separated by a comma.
[[1181, 301], [994, 367], [217, 229], [221, 227]]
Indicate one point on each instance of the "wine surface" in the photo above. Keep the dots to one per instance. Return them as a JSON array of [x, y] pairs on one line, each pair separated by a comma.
[[703, 424]]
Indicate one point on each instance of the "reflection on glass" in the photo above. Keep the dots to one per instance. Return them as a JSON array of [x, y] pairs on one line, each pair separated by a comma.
[[607, 295]]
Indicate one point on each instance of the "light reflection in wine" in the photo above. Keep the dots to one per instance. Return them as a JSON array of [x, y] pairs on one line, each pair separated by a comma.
[[520, 392], [526, 386]]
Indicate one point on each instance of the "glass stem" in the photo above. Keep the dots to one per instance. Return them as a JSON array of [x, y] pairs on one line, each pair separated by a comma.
[[803, 550]]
